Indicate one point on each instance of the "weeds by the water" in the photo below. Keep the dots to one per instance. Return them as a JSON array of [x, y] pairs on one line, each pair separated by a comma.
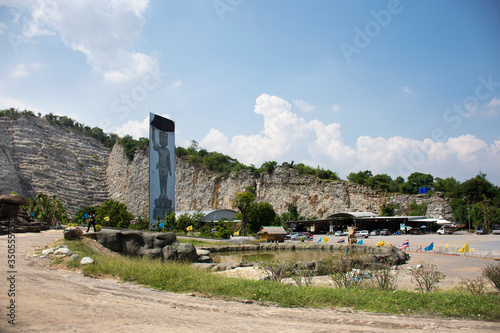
[[492, 273], [474, 286], [183, 278], [426, 276]]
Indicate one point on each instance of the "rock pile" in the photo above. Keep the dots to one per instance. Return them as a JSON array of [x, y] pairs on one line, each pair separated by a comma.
[[147, 244], [15, 218]]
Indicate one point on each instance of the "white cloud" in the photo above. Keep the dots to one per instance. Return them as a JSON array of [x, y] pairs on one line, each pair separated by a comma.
[[135, 128], [286, 137], [406, 89], [336, 108], [494, 103], [102, 30], [303, 105], [3, 27], [23, 69], [176, 83]]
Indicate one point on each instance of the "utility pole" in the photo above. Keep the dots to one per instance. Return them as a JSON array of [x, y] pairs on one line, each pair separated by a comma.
[[468, 212]]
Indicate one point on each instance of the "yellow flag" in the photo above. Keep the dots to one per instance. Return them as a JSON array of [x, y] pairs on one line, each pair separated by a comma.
[[189, 228], [237, 233], [464, 248], [381, 243], [326, 239], [106, 219]]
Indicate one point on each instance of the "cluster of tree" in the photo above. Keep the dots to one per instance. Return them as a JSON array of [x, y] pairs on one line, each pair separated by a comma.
[[476, 200], [131, 145], [110, 213], [315, 172], [47, 209], [254, 215], [108, 139], [382, 182], [413, 209], [217, 162]]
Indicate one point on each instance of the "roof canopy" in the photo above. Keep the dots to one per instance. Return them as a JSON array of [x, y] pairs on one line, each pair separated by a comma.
[[351, 215], [272, 231], [211, 214]]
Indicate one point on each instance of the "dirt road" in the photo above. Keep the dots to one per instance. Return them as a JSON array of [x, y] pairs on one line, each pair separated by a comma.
[[64, 301]]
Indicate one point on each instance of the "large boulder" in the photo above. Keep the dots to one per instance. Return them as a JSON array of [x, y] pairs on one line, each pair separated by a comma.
[[15, 199], [110, 239], [9, 205], [147, 244], [72, 233], [187, 252]]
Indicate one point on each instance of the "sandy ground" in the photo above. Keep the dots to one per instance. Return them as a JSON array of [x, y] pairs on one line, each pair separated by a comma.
[[48, 300]]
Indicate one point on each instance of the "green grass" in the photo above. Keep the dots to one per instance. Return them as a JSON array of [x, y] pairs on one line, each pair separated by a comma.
[[198, 242], [182, 278]]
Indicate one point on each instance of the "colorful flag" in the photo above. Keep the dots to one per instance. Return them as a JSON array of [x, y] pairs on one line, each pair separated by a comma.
[[214, 230], [381, 243], [132, 222], [360, 242], [464, 248], [320, 240], [236, 233], [326, 239], [430, 247], [106, 218], [404, 245], [342, 240], [310, 239], [189, 228]]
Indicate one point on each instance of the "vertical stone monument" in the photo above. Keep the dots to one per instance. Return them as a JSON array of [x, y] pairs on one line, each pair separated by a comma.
[[161, 168]]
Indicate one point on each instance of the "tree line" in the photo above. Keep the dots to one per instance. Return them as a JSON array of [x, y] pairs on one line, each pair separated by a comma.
[[476, 200]]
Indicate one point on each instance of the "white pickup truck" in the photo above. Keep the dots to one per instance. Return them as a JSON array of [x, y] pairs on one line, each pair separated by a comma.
[[496, 229]]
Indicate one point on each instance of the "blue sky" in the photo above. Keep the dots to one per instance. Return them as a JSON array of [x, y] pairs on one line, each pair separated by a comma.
[[389, 86]]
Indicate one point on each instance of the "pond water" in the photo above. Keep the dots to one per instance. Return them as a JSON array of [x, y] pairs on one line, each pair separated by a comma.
[[257, 256]]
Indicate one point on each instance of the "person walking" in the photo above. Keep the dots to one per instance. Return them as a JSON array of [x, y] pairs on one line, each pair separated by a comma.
[[91, 218]]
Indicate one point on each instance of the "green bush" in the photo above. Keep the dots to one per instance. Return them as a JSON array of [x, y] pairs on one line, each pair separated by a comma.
[[98, 227]]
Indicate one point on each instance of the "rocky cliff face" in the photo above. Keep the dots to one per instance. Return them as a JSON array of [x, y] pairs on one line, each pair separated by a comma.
[[36, 156]]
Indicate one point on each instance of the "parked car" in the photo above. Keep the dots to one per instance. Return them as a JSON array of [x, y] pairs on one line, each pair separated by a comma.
[[375, 233], [340, 233], [445, 230], [480, 230], [385, 232], [300, 236], [362, 233], [496, 229], [289, 236]]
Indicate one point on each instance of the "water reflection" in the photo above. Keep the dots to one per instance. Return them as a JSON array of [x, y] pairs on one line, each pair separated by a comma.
[[257, 256]]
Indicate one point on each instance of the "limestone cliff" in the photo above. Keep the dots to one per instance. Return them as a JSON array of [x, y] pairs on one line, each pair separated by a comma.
[[36, 156]]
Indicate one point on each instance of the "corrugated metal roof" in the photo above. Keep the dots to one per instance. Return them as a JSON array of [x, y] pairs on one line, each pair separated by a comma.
[[354, 214]]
